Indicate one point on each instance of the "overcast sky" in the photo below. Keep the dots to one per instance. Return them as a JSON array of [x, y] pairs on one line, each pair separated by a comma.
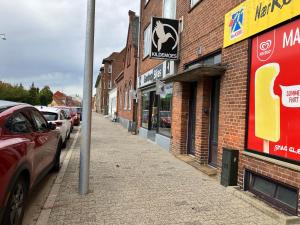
[[45, 40]]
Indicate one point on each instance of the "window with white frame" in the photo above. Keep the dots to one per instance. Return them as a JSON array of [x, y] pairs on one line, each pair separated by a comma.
[[110, 84], [147, 41], [194, 2], [130, 97], [169, 9], [125, 100], [109, 68]]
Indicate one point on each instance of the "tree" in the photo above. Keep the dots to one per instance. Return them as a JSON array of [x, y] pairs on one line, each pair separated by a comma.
[[34, 95], [45, 96]]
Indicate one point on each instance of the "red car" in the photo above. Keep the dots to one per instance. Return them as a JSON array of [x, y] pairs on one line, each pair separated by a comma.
[[29, 148], [75, 115]]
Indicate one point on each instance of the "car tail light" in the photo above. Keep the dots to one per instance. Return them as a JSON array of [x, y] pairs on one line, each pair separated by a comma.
[[58, 124]]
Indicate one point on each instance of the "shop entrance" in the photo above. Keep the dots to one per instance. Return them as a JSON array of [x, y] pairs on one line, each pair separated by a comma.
[[192, 119], [214, 122], [153, 116]]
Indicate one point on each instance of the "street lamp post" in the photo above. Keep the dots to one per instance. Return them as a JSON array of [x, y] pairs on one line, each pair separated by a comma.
[[87, 100], [2, 36]]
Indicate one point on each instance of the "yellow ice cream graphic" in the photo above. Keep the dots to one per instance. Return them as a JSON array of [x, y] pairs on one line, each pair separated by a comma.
[[267, 105]]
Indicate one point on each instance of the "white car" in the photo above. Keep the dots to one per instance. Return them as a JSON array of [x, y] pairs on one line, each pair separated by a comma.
[[60, 118]]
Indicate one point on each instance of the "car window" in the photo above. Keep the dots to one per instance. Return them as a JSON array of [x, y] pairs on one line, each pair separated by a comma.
[[50, 116], [39, 121], [18, 123]]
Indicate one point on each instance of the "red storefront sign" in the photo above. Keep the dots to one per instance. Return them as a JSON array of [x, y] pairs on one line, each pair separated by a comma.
[[274, 107]]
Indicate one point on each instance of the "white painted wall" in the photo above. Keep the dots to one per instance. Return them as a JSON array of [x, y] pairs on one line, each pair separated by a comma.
[[112, 104]]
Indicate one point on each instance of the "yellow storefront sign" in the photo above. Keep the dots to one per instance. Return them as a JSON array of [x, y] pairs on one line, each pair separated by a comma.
[[254, 16]]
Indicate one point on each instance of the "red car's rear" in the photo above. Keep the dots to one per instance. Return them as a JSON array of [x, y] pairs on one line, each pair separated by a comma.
[[29, 148]]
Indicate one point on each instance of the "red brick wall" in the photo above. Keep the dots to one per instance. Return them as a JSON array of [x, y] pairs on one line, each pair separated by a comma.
[[130, 71], [153, 8]]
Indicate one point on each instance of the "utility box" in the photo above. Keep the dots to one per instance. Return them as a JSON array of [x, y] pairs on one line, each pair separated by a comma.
[[229, 172]]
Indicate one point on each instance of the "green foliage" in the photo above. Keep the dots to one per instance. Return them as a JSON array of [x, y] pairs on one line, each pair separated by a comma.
[[18, 93], [45, 96]]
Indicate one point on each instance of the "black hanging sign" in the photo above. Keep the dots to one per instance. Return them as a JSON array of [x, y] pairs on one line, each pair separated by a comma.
[[164, 38]]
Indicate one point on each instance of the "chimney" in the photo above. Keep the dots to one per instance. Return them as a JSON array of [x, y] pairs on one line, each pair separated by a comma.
[[131, 14]]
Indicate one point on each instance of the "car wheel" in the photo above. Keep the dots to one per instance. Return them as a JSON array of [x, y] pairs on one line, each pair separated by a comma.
[[56, 163], [15, 206], [64, 144]]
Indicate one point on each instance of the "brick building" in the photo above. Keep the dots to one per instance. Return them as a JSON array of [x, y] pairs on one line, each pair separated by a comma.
[[208, 105], [105, 87], [126, 81]]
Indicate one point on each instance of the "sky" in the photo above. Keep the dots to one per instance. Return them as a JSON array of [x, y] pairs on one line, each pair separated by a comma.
[[46, 40]]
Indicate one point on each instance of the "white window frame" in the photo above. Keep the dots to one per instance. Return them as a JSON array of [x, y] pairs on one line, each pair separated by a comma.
[[193, 3], [110, 84], [129, 97], [146, 2], [147, 41], [174, 13], [125, 100], [110, 68]]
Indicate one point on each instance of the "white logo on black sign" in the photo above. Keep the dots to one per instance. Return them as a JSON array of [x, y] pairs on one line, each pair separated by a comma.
[[163, 37]]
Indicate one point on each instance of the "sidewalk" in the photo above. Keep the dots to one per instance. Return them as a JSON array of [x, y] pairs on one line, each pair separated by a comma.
[[134, 182]]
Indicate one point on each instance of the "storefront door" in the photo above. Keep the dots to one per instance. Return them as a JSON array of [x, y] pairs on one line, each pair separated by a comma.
[[192, 119], [214, 123]]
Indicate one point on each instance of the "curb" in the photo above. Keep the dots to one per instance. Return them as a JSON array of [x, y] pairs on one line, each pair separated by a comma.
[[46, 210], [263, 207]]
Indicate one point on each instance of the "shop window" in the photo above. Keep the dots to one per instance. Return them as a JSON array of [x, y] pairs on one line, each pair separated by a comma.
[[145, 109], [147, 41], [279, 195], [169, 9], [208, 61], [165, 110]]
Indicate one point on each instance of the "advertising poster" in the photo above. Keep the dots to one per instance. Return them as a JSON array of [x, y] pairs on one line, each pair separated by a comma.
[[254, 16], [274, 107]]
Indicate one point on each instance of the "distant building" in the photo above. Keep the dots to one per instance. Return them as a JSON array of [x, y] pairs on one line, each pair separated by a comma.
[[61, 99], [106, 93], [126, 81]]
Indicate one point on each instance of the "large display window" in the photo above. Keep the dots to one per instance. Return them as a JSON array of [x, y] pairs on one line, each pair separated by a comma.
[[165, 110], [274, 101]]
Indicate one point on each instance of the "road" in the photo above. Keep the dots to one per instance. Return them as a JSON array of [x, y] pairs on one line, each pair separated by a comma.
[[40, 193]]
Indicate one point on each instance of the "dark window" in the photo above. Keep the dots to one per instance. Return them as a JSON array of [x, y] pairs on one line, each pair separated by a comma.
[[145, 109], [165, 110], [280, 195], [18, 124], [39, 122], [50, 116]]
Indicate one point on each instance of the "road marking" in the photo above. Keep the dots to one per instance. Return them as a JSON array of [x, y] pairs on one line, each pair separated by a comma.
[[46, 211]]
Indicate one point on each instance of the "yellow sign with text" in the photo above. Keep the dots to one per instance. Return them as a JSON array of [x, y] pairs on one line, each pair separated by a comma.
[[254, 16]]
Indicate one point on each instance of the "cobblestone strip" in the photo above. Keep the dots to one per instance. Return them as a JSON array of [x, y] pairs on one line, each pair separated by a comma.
[[46, 211]]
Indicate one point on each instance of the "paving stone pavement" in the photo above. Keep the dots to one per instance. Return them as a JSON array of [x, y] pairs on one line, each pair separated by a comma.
[[135, 182]]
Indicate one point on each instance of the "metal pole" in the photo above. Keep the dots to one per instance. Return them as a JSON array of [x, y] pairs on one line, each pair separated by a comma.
[[87, 100]]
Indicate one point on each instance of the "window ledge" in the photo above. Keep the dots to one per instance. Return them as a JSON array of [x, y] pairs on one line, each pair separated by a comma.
[[274, 161]]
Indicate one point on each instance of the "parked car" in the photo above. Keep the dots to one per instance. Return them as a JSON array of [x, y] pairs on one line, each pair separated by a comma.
[[68, 113], [75, 116], [29, 148], [79, 111], [60, 118]]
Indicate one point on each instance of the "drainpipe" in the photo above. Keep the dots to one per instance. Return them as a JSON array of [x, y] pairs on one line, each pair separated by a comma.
[[137, 71]]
